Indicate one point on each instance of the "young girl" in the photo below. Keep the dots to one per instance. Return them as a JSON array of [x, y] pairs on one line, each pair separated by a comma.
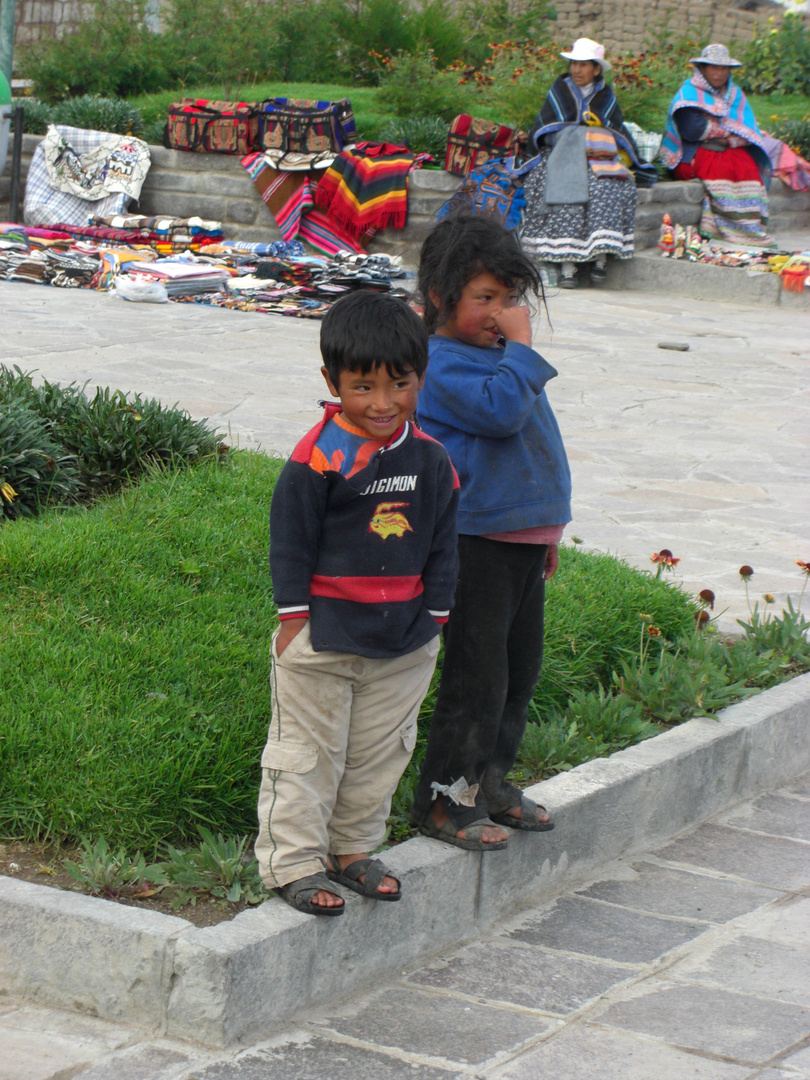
[[484, 399]]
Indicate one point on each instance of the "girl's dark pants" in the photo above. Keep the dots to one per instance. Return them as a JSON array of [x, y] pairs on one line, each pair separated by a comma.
[[493, 651]]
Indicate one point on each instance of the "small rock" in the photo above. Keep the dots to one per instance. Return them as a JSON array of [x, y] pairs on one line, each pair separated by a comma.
[[676, 346]]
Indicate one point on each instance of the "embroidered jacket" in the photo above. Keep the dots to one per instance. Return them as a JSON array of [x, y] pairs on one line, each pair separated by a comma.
[[371, 558]]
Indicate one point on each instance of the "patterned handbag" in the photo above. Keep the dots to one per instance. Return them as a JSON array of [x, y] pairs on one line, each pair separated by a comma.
[[471, 142], [298, 125], [217, 127], [496, 187]]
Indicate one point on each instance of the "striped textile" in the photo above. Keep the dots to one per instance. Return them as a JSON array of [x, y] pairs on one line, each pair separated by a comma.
[[366, 189], [735, 213], [289, 198]]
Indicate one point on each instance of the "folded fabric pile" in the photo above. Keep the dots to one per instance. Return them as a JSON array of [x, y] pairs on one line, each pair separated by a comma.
[[168, 234], [183, 278], [795, 274]]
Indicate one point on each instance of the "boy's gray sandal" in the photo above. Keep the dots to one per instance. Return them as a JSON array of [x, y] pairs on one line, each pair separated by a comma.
[[299, 894], [374, 872], [528, 820], [471, 842]]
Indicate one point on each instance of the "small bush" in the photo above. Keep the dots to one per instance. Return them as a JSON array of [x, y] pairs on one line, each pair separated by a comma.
[[36, 115], [413, 85], [422, 134], [778, 59], [35, 472], [112, 53], [91, 446], [99, 114]]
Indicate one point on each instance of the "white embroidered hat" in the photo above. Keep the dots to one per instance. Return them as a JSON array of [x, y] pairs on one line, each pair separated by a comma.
[[716, 54], [585, 49]]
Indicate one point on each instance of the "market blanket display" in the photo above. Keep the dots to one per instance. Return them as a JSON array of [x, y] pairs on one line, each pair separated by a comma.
[[278, 278], [77, 174], [366, 188]]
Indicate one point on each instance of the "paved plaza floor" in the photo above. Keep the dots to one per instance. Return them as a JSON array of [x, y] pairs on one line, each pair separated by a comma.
[[704, 452], [688, 962]]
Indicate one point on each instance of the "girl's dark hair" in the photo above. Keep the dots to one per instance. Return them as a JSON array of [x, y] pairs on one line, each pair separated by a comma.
[[366, 330], [459, 248]]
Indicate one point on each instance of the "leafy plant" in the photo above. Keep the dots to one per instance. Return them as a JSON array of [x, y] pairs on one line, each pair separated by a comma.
[[36, 115], [778, 59], [112, 874], [35, 471], [218, 867], [99, 114], [412, 84], [422, 134]]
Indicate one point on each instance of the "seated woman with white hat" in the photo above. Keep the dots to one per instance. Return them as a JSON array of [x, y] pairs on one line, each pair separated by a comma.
[[581, 190], [712, 135]]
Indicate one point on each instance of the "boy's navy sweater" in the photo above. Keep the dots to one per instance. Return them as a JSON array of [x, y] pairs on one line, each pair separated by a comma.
[[489, 409], [371, 559]]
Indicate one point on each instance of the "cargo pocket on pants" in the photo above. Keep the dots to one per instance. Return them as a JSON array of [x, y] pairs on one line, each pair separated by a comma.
[[290, 757]]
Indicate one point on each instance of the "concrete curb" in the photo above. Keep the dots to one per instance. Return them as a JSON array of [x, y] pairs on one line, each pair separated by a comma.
[[647, 271], [229, 984]]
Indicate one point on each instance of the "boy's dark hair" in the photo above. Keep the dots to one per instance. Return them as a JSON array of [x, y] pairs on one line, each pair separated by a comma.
[[365, 330], [459, 248]]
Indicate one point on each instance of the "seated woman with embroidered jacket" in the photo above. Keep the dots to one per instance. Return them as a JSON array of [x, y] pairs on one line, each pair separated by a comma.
[[712, 135], [581, 190]]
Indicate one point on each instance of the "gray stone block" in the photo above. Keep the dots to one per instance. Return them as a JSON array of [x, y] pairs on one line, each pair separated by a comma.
[[422, 181], [591, 1052], [697, 280], [765, 860], [752, 966], [171, 182], [78, 952], [432, 1025], [750, 1028], [573, 924], [243, 211], [665, 891], [142, 1062], [321, 1059], [524, 975], [774, 815]]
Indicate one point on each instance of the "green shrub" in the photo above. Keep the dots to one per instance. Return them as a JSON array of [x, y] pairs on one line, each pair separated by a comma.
[[35, 472], [36, 115], [411, 84], [422, 134], [112, 53], [99, 114], [104, 441], [778, 59]]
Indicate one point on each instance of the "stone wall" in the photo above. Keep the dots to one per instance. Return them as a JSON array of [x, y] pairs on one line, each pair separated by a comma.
[[624, 26], [628, 27]]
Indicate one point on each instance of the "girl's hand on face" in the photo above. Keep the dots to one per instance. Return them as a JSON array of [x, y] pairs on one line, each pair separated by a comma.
[[515, 324]]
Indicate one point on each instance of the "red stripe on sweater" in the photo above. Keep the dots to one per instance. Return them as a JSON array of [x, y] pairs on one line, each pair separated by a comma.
[[367, 590]]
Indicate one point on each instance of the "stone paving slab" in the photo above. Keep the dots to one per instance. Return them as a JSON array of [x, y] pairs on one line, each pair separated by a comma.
[[753, 966], [576, 925], [590, 1052], [665, 891], [762, 859], [773, 815], [437, 1025], [742, 1026], [526, 976]]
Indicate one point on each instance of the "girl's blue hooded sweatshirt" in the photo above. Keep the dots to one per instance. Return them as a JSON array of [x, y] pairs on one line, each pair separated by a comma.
[[488, 407]]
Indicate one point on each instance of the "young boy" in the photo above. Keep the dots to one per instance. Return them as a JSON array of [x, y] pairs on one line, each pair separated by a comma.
[[363, 561]]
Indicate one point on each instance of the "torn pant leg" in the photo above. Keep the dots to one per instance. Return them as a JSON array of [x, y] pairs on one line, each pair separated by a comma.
[[480, 716]]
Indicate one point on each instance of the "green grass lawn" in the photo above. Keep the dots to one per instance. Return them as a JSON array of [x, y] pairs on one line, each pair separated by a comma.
[[133, 701]]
